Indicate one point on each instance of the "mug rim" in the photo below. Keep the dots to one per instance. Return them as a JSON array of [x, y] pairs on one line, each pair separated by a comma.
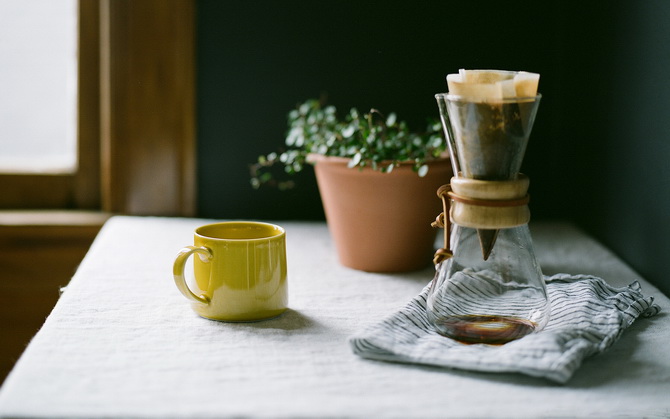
[[280, 231]]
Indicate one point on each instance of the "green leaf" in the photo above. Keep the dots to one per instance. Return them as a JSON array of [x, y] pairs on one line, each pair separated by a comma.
[[390, 120], [331, 139], [293, 136], [423, 170], [303, 109], [348, 131], [355, 160]]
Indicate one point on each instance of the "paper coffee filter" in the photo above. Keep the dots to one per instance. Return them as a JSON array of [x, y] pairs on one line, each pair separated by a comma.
[[525, 84], [474, 91], [485, 76], [492, 85]]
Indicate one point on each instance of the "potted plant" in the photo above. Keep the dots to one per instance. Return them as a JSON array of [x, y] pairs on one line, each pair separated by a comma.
[[377, 181]]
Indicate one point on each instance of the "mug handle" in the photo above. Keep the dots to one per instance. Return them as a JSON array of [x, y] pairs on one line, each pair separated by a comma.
[[178, 271]]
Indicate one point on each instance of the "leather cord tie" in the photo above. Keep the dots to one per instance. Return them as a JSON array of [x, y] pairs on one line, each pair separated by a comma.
[[442, 221], [489, 202]]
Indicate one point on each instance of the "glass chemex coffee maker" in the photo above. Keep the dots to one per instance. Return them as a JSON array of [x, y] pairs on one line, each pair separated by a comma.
[[488, 286]]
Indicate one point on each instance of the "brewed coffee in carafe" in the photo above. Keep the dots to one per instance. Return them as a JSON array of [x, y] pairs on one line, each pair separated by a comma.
[[488, 286]]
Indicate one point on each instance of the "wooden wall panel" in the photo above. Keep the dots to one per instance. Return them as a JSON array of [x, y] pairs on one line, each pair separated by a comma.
[[39, 253], [148, 107], [87, 180]]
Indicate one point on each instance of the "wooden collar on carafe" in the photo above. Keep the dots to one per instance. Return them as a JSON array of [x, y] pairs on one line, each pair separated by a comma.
[[485, 205]]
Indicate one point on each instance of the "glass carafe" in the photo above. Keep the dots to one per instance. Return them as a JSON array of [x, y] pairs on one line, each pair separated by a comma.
[[490, 288]]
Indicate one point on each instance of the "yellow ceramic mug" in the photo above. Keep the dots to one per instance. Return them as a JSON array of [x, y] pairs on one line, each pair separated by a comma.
[[240, 274]]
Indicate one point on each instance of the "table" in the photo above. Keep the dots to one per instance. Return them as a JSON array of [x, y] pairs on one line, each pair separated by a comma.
[[122, 342]]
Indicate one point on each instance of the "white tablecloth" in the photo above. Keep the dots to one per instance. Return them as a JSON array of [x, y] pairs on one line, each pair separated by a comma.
[[122, 342]]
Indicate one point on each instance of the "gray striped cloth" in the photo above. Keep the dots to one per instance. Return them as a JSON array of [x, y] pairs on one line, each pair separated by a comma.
[[587, 317]]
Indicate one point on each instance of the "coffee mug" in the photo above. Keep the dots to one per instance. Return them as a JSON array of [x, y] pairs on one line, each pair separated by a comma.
[[240, 271]]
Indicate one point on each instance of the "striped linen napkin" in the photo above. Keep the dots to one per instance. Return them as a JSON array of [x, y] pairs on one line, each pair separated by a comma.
[[587, 317]]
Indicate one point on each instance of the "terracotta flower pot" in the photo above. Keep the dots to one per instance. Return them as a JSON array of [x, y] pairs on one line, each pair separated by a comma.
[[380, 222]]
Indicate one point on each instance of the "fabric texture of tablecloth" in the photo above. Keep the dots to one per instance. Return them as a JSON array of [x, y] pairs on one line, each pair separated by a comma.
[[588, 316], [122, 342]]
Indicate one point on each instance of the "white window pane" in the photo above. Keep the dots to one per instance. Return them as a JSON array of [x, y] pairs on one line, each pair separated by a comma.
[[38, 85]]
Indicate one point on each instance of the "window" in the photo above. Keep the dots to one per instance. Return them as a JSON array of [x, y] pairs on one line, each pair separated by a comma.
[[135, 96], [38, 81], [77, 187]]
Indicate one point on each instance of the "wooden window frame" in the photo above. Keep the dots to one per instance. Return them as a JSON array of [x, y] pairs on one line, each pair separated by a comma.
[[136, 115], [148, 106]]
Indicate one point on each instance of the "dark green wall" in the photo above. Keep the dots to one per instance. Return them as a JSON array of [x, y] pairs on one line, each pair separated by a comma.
[[598, 150], [622, 139]]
